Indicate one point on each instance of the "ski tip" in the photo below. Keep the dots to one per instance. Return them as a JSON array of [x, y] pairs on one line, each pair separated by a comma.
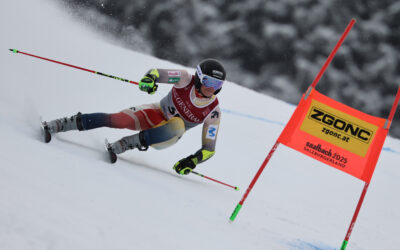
[[237, 188], [112, 156], [45, 132], [13, 50]]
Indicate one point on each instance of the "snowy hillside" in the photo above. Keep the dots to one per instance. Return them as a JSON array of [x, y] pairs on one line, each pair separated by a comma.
[[65, 195]]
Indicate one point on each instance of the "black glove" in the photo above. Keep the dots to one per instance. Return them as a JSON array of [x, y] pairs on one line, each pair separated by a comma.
[[185, 166]]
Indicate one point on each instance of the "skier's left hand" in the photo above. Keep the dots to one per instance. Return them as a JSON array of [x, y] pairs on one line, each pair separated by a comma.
[[186, 165]]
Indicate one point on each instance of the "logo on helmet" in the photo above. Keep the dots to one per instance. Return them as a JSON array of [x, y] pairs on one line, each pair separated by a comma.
[[217, 74]]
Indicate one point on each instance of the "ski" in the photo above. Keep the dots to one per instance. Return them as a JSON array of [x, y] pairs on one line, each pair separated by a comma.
[[112, 156], [46, 135]]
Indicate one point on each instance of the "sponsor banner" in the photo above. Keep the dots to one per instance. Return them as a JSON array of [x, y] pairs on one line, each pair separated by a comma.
[[336, 134], [339, 128]]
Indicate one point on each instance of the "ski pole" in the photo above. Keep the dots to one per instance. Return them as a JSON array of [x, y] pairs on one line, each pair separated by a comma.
[[220, 182], [73, 66]]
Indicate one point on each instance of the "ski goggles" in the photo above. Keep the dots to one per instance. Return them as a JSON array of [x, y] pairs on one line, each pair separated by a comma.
[[209, 81]]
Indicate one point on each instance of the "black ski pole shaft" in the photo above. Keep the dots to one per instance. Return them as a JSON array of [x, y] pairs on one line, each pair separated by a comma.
[[211, 179], [73, 66]]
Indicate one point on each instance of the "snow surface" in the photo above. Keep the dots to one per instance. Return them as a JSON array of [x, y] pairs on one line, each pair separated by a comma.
[[65, 195]]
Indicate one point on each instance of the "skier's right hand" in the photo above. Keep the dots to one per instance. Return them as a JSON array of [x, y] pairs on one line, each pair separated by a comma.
[[186, 165], [149, 82]]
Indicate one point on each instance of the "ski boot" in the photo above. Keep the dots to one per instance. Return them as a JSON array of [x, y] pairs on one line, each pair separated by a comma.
[[61, 125], [128, 142]]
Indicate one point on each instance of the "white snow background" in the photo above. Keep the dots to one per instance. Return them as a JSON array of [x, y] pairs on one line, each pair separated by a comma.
[[65, 195]]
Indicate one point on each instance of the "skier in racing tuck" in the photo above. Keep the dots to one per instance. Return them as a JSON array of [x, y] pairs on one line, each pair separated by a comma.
[[191, 101]]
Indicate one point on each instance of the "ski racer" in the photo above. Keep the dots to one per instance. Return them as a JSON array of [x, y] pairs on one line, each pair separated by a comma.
[[191, 101]]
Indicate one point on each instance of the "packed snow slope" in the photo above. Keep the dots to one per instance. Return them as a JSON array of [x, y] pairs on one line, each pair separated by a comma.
[[65, 195]]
